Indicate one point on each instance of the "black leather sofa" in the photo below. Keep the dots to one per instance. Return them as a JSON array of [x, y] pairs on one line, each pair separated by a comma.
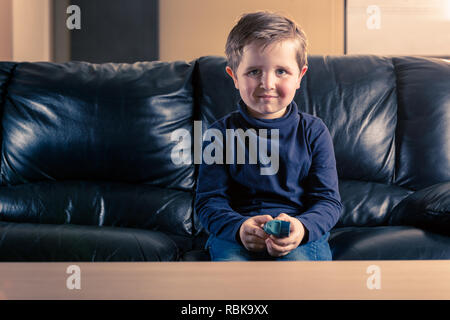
[[87, 173]]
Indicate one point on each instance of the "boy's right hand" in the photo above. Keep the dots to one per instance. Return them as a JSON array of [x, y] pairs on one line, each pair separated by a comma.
[[252, 234]]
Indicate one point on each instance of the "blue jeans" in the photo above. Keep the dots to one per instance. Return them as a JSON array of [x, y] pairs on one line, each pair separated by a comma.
[[222, 250]]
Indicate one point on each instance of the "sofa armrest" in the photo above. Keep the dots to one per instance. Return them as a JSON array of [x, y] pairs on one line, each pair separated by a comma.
[[428, 208]]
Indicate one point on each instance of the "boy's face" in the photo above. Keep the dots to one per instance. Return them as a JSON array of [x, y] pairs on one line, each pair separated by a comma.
[[267, 78]]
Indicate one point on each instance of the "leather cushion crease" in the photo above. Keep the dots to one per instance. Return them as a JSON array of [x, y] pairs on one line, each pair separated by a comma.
[[87, 171]]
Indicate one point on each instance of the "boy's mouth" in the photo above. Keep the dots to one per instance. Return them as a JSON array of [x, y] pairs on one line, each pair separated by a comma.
[[266, 96]]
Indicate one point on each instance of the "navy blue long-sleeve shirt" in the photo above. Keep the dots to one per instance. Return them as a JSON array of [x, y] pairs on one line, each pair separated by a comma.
[[303, 184]]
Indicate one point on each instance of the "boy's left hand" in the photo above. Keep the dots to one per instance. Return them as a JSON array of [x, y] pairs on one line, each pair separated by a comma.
[[278, 247]]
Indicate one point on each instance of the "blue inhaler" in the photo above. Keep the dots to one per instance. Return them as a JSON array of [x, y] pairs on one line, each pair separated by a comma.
[[278, 228]]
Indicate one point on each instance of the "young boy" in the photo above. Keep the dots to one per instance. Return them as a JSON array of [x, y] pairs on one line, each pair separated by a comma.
[[267, 59]]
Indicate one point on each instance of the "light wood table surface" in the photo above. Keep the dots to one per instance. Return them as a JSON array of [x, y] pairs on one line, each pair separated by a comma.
[[339, 280]]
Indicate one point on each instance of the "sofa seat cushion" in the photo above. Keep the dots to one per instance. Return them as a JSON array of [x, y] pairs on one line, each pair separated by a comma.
[[196, 255], [67, 242], [99, 203], [388, 243]]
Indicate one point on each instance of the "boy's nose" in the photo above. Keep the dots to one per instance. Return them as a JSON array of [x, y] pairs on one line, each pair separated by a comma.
[[268, 81]]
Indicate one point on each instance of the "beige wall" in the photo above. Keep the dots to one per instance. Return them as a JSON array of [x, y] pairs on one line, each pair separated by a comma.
[[188, 28], [5, 30], [31, 21], [193, 28]]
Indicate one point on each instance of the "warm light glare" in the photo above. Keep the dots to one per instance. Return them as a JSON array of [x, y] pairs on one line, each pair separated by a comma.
[[447, 9]]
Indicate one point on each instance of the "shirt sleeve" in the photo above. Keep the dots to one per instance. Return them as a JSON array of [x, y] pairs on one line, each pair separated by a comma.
[[323, 201], [212, 201]]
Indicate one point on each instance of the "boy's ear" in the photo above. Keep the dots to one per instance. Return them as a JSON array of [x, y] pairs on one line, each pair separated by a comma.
[[302, 73], [233, 76]]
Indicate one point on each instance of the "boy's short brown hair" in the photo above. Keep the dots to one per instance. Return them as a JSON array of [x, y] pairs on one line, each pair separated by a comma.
[[265, 27]]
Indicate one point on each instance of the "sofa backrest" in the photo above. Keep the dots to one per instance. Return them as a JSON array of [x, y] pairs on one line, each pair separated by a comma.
[[423, 125], [96, 122], [92, 143]]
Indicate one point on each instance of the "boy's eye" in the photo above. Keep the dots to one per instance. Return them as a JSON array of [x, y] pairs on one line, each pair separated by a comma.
[[253, 72], [281, 71]]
